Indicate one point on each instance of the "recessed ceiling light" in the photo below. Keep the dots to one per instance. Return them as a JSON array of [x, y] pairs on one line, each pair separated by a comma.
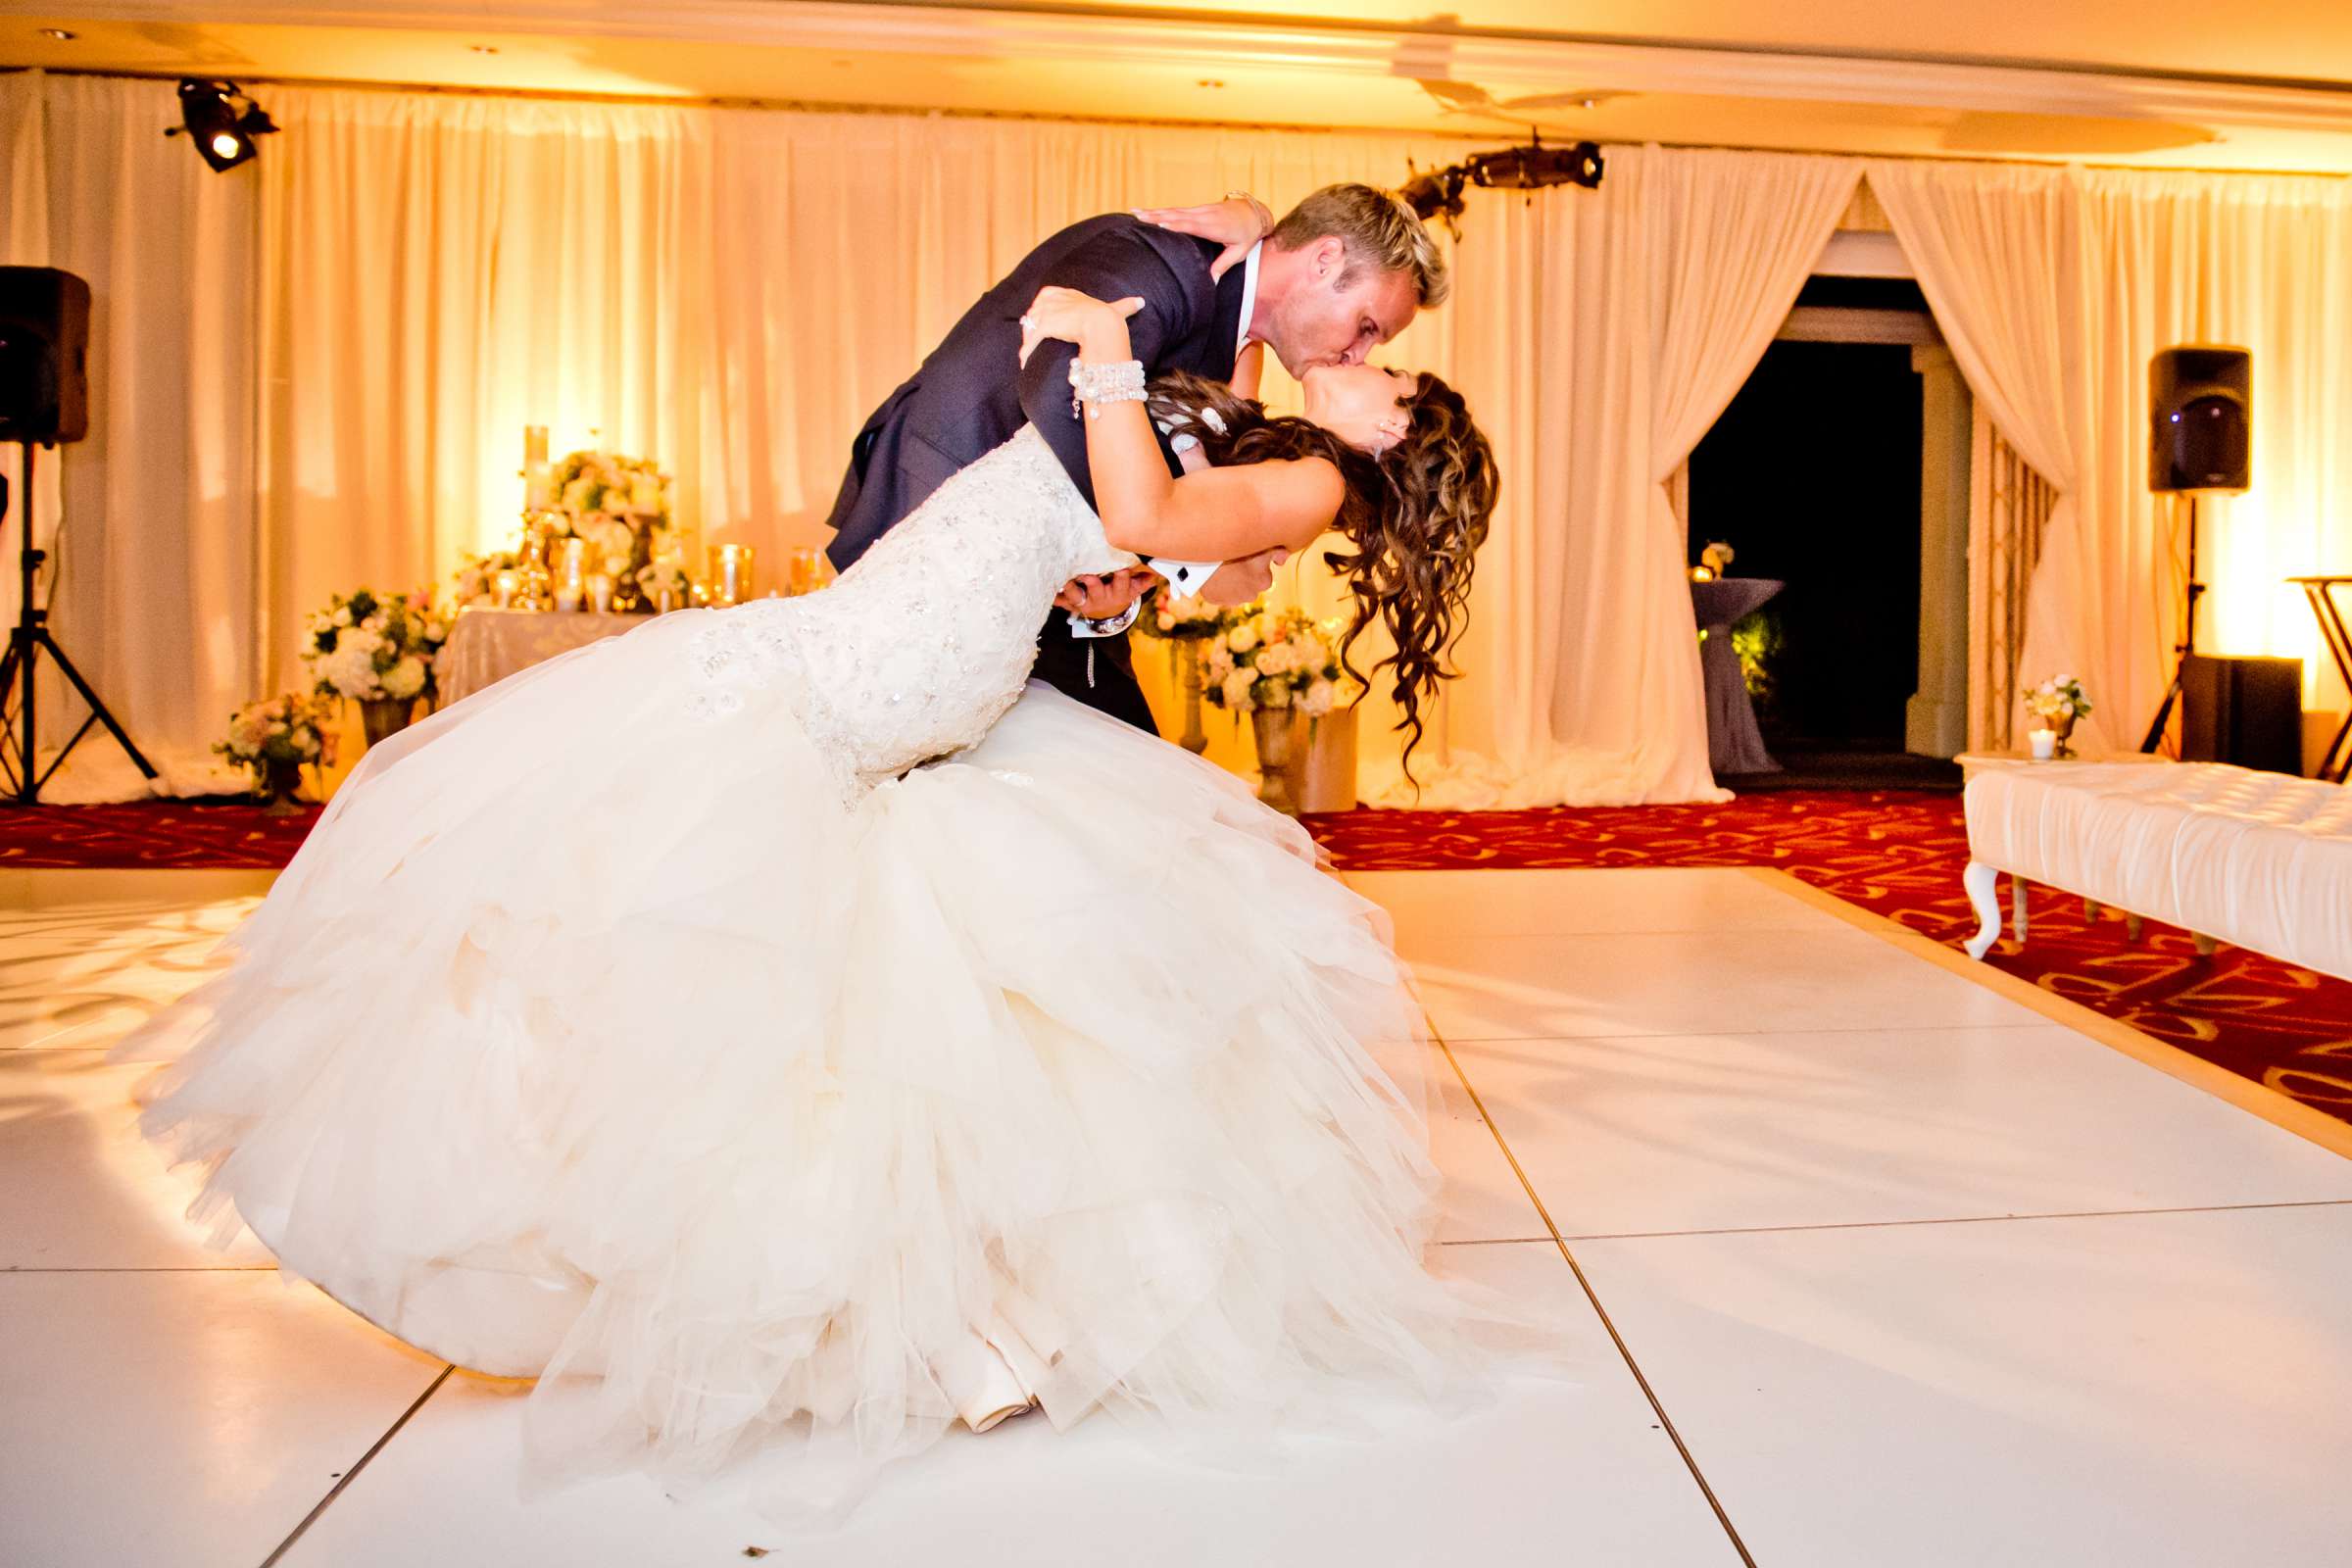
[[1210, 81], [60, 35], [483, 48]]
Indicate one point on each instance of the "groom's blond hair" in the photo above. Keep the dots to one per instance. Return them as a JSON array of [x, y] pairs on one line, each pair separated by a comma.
[[1379, 230]]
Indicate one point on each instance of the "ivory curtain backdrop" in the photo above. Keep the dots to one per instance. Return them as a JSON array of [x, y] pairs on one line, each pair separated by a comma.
[[311, 372], [321, 376], [2055, 287], [1648, 302]]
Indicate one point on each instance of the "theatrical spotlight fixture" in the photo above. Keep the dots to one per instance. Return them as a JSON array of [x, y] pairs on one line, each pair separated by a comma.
[[1438, 193], [220, 121]]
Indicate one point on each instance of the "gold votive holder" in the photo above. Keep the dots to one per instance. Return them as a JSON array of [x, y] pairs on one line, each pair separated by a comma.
[[804, 571], [730, 577]]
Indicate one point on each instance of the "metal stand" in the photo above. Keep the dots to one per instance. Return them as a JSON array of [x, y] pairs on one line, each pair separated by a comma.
[[25, 643], [2321, 592], [2187, 648]]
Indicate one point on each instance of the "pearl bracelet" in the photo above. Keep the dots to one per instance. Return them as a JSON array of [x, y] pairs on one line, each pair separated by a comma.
[[1092, 385]]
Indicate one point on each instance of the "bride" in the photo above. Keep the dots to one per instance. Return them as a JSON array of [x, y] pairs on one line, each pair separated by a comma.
[[782, 1028]]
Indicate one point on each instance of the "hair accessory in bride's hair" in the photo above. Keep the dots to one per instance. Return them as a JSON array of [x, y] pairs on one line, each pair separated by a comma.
[[1092, 385]]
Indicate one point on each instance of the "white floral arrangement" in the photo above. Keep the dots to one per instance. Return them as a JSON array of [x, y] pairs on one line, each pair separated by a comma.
[[287, 731], [372, 645], [614, 502], [2059, 696], [476, 580], [664, 576], [1182, 619], [1275, 659]]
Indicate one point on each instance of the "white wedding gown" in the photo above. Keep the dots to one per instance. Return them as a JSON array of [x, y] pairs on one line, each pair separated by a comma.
[[652, 1024]]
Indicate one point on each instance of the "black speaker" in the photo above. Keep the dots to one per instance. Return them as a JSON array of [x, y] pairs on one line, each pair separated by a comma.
[[44, 355], [2201, 418], [2243, 710]]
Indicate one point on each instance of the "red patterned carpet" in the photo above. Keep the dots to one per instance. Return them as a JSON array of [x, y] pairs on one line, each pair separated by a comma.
[[191, 835], [1897, 853]]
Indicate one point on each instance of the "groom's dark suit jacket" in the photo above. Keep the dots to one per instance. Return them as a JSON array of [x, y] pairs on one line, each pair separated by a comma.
[[971, 395]]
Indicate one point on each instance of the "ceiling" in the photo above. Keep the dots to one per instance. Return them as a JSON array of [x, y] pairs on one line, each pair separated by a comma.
[[2266, 84]]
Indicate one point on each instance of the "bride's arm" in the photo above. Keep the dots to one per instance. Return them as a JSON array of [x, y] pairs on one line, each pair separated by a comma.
[[1222, 514]]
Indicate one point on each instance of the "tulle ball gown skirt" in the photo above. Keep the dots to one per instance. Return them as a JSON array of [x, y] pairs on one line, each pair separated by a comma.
[[591, 1041]]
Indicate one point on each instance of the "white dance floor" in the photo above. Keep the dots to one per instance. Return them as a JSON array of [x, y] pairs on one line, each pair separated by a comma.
[[1876, 1260]]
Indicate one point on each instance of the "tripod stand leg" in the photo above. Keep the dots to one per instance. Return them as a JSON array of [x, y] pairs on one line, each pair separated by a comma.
[[2163, 716], [8, 677], [97, 708]]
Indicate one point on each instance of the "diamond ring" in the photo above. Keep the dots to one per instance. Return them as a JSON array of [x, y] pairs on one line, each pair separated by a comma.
[[1029, 324]]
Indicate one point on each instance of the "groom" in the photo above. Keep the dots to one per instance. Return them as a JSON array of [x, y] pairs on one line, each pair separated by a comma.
[[1343, 273]]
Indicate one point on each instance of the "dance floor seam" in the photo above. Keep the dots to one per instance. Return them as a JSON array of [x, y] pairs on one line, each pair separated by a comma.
[[1631, 1365], [351, 1475]]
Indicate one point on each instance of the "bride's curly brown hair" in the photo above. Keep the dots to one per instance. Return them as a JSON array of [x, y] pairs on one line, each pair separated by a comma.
[[1414, 515]]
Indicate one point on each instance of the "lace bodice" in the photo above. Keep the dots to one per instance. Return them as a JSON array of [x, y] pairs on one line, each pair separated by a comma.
[[919, 648]]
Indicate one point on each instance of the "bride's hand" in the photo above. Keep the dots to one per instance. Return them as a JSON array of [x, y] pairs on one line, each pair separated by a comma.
[[1074, 317], [1237, 223]]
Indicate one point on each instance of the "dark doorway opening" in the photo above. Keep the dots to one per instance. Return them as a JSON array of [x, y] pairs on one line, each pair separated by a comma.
[[1812, 475]]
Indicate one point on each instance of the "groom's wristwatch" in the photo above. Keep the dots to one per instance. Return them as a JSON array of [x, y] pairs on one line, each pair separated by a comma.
[[1107, 626]]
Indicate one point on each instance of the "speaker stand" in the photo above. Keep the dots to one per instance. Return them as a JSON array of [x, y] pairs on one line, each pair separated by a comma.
[[2187, 648], [27, 641]]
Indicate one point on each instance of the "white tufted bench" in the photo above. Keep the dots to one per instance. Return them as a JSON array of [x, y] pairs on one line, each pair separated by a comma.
[[2260, 860]]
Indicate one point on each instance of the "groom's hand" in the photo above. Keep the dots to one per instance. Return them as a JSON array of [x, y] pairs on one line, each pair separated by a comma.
[[1237, 223], [1099, 597], [1238, 582]]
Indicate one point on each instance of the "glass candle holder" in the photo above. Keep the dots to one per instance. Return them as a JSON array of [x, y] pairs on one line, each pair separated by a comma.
[[599, 591], [503, 589], [804, 571], [730, 573], [571, 568]]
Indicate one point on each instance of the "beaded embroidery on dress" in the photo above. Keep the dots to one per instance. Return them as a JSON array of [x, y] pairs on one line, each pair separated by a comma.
[[920, 646], [652, 1024]]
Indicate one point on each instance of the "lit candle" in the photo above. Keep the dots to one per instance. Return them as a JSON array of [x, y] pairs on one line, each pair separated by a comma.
[[2044, 743], [538, 485], [504, 594], [730, 573], [571, 573], [599, 591], [534, 445]]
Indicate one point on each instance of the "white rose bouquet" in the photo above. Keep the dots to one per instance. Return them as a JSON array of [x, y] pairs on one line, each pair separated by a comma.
[[664, 576], [620, 505], [1274, 658], [1177, 619], [373, 646], [280, 734], [476, 581], [2059, 696]]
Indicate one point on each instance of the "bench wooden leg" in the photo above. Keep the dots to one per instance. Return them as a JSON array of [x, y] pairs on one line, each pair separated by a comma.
[[2205, 945], [1983, 896], [2132, 926], [2090, 910], [2016, 905]]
